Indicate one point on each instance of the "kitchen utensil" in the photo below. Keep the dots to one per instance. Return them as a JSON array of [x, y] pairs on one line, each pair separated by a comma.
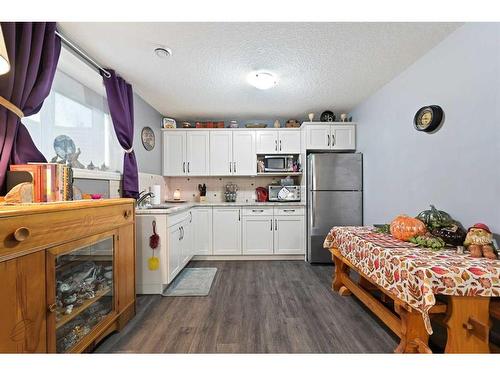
[[262, 194], [154, 241]]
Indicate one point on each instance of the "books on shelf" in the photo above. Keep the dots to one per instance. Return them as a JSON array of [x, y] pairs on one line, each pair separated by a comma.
[[51, 181]]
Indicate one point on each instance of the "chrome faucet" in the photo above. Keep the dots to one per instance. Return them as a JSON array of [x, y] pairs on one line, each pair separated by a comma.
[[141, 201]]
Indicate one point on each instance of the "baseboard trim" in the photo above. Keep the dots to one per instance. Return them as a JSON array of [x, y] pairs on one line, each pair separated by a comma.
[[249, 257]]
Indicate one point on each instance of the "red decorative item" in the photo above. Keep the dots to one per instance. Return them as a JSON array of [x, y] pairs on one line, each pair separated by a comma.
[[481, 226]]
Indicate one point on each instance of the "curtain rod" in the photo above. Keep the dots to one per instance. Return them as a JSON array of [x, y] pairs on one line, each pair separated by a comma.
[[82, 55]]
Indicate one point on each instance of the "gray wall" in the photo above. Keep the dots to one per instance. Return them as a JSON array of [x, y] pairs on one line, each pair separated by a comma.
[[457, 168], [145, 115]]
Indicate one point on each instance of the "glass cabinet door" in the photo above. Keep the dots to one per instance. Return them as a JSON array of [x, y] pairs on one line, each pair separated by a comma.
[[83, 284]]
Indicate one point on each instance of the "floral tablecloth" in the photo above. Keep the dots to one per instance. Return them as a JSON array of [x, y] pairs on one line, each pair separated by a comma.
[[416, 275]]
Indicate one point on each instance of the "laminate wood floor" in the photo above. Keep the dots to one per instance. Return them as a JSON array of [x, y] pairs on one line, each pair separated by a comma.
[[255, 307]]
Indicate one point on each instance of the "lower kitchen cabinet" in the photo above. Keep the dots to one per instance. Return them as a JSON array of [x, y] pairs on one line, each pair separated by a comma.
[[173, 252], [180, 244], [257, 235], [226, 231], [202, 233], [289, 234]]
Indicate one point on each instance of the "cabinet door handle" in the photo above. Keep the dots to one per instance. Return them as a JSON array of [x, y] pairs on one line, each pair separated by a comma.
[[333, 139], [271, 224], [188, 167], [21, 234], [180, 233], [288, 210], [328, 137], [280, 144], [127, 214], [275, 224], [184, 167], [257, 210], [190, 217], [239, 215], [275, 145], [230, 168]]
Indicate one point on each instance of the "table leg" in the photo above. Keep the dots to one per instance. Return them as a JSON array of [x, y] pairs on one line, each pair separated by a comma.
[[414, 336], [340, 268], [468, 325]]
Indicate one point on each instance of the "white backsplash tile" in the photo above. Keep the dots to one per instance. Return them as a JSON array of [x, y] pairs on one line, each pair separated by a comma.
[[216, 187]]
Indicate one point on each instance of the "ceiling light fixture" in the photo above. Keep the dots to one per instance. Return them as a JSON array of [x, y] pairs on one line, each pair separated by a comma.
[[163, 52], [4, 57], [262, 80]]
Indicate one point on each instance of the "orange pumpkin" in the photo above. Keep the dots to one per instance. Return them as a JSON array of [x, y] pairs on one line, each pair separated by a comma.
[[404, 227]]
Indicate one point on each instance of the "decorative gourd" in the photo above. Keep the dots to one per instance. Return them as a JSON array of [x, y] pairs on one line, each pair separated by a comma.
[[453, 235], [434, 218], [404, 227]]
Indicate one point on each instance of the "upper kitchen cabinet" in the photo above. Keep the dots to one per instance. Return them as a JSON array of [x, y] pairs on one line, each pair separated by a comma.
[[174, 153], [324, 136], [232, 153], [244, 156], [278, 141], [221, 153], [186, 153]]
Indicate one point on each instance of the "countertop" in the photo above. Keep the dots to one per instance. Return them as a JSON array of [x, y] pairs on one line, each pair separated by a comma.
[[179, 207]]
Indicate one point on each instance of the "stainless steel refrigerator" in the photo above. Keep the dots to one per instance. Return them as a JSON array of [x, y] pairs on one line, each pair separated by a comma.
[[334, 198]]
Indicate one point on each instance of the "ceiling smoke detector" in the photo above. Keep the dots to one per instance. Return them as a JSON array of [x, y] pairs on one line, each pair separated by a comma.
[[163, 52], [262, 80]]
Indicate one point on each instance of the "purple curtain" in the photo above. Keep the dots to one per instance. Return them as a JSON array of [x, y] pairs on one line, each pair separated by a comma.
[[33, 50], [121, 108]]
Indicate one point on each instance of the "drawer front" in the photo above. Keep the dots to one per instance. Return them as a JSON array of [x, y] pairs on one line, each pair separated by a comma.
[[292, 211], [27, 233], [174, 219], [258, 211]]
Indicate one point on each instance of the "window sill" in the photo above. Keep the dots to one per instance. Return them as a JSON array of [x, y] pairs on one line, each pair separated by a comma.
[[96, 175]]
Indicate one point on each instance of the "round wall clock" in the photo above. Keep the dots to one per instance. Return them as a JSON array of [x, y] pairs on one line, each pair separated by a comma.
[[148, 138], [429, 118], [327, 116]]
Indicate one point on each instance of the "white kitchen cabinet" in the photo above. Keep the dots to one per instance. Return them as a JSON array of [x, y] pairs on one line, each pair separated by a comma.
[[197, 153], [186, 153], [174, 251], [289, 234], [186, 241], [244, 156], [318, 137], [226, 223], [257, 235], [289, 142], [174, 153], [330, 137], [202, 230], [343, 137], [221, 153], [267, 141], [278, 142]]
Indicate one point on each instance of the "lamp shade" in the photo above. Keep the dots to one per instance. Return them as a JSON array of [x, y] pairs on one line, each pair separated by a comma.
[[4, 58]]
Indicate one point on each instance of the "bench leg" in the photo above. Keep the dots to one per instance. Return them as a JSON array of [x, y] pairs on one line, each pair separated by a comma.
[[468, 325], [414, 336]]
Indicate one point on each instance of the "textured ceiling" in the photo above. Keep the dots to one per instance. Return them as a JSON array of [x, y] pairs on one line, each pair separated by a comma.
[[319, 65]]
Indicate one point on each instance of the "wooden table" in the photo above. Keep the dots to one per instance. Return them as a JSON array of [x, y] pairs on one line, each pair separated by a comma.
[[405, 301]]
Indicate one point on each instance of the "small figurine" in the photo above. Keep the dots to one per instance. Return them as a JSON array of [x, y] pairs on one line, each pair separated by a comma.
[[479, 241], [311, 116]]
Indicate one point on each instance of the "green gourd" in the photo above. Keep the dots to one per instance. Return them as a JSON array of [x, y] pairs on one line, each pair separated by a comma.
[[434, 218]]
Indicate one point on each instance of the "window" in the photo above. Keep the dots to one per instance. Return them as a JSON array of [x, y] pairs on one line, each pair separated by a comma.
[[77, 108]]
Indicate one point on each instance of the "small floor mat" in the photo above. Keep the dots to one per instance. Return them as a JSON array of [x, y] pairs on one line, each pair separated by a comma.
[[191, 282]]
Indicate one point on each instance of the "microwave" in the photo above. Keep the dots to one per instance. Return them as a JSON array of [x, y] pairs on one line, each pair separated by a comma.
[[278, 193], [278, 163]]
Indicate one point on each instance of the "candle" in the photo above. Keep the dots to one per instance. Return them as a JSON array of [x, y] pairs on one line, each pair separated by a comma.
[[177, 194]]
